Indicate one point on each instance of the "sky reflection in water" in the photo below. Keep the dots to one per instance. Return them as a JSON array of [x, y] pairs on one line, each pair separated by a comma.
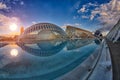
[[47, 58]]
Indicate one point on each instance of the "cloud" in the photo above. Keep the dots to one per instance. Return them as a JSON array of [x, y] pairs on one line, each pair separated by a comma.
[[16, 2], [91, 17], [5, 21], [75, 17], [3, 6], [109, 14], [105, 15], [76, 5], [9, 5], [34, 22], [85, 17], [21, 3], [113, 4], [75, 24], [83, 9], [91, 4]]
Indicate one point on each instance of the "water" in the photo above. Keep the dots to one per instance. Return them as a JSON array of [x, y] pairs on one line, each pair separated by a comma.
[[45, 60]]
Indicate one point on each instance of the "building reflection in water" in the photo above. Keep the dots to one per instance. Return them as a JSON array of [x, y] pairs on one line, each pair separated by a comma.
[[17, 65], [48, 48], [97, 41], [44, 48], [77, 43]]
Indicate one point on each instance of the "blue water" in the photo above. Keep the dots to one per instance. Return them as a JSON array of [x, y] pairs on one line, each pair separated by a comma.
[[45, 60]]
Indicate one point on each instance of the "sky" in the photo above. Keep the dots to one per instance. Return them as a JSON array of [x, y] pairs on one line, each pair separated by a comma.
[[87, 14]]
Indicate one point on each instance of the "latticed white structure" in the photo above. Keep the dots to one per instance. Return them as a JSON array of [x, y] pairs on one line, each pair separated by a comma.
[[43, 31]]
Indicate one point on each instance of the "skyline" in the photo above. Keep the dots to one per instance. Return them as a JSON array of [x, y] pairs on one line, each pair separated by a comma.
[[90, 15]]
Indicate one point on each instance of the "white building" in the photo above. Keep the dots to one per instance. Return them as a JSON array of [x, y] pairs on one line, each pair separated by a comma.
[[42, 31]]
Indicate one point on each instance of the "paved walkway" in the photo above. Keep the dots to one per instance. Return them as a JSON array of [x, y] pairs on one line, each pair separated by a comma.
[[103, 66], [115, 55]]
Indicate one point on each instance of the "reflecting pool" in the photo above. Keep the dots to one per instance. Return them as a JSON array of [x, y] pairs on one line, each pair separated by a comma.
[[46, 60]]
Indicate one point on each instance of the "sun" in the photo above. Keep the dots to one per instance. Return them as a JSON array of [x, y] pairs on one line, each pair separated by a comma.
[[13, 27]]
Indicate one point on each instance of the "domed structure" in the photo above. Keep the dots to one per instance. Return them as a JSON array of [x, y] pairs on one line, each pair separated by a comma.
[[42, 31]]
